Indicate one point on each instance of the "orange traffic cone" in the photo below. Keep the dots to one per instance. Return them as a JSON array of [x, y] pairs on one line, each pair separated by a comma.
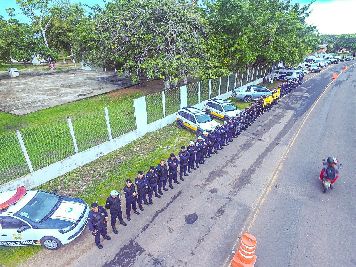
[[344, 68], [335, 75], [245, 255]]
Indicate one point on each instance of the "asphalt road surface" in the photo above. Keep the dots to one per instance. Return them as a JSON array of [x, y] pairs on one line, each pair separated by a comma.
[[264, 182]]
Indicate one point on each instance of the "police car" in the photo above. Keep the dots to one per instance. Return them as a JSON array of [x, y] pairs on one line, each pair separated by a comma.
[[221, 109], [40, 218], [196, 120]]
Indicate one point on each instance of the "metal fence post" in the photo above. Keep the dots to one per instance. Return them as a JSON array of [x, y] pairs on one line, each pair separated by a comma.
[[107, 119], [199, 92], [71, 130], [164, 103], [209, 88], [219, 90], [183, 96], [141, 115], [24, 150]]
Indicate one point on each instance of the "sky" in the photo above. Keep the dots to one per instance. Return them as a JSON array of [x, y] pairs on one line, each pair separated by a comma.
[[329, 16]]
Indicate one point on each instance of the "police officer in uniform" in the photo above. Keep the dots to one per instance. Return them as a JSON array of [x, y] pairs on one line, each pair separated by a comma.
[[162, 172], [130, 196], [113, 203], [200, 150], [173, 164], [183, 162], [142, 189], [97, 220], [192, 156], [152, 180]]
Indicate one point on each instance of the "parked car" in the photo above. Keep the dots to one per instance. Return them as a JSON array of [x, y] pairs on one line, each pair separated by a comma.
[[40, 218], [251, 92], [334, 60], [221, 109], [348, 58], [195, 119], [314, 68]]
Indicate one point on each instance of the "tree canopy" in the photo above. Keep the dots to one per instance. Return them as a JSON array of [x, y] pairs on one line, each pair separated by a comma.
[[165, 39]]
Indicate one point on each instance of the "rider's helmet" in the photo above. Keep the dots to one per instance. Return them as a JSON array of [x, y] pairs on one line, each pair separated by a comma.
[[330, 160]]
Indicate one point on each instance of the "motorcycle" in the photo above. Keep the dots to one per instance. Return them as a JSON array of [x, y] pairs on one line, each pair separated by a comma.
[[326, 180]]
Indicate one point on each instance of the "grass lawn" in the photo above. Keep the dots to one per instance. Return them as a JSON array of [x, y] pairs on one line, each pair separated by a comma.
[[46, 133], [93, 182]]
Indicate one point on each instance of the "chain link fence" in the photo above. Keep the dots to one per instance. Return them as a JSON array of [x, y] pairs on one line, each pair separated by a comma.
[[154, 107], [172, 100], [90, 130], [193, 93], [47, 144], [215, 87], [12, 160]]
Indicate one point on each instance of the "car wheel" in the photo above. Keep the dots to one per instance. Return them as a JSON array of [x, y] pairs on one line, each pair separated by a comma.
[[247, 98], [50, 243]]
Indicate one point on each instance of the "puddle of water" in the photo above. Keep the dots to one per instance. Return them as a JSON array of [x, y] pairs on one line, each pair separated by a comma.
[[191, 218]]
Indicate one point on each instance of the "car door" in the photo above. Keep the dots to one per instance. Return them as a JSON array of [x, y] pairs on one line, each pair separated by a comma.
[[256, 92], [191, 122], [9, 234], [218, 111]]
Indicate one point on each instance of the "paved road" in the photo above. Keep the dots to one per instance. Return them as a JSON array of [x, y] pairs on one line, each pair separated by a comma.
[[198, 223], [298, 225]]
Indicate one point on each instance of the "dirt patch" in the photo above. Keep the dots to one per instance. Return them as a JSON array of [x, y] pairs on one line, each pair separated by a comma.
[[37, 91]]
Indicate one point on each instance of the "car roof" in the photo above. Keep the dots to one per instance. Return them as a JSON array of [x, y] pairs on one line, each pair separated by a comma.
[[4, 196], [219, 101], [193, 110]]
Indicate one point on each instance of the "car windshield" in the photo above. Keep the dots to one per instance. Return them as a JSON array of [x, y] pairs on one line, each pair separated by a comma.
[[229, 107], [203, 118], [39, 207]]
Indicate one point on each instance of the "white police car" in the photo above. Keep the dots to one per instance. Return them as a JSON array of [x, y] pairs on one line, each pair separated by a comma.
[[221, 109], [40, 218], [196, 120]]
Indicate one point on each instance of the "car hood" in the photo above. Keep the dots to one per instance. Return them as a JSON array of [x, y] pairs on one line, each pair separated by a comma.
[[209, 126], [68, 211], [233, 113]]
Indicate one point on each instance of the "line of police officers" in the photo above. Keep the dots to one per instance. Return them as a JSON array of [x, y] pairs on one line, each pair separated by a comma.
[[165, 174]]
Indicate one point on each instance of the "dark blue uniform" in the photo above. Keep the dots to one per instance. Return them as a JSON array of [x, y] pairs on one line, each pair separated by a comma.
[[114, 205], [162, 172], [172, 171], [200, 145], [152, 180], [142, 191], [130, 200], [192, 157], [97, 224], [183, 163]]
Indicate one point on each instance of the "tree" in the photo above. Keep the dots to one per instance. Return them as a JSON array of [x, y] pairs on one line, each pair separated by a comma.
[[151, 38], [248, 33], [62, 30], [336, 42], [17, 39]]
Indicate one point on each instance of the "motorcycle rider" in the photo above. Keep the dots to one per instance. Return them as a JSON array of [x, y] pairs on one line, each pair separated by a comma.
[[330, 171]]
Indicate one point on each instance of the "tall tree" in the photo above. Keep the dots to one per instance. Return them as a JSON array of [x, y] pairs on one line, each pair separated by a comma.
[[152, 38], [17, 40]]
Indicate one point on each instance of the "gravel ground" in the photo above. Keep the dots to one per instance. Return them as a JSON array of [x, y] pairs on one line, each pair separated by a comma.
[[37, 91]]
